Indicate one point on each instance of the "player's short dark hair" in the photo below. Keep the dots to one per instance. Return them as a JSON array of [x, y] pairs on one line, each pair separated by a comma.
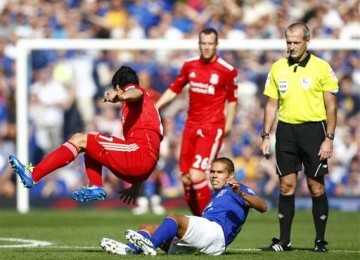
[[229, 163], [209, 30], [300, 25], [124, 76]]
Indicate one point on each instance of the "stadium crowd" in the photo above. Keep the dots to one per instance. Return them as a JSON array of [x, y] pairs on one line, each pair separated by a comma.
[[66, 87]]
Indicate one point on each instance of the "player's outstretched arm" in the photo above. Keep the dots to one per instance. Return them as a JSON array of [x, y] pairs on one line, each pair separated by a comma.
[[255, 202], [168, 96], [131, 95], [119, 95]]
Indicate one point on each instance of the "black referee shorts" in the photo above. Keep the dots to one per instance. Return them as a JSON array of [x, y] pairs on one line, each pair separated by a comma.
[[299, 144]]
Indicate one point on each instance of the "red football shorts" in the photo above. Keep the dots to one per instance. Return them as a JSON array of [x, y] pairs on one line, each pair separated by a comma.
[[131, 160], [199, 147]]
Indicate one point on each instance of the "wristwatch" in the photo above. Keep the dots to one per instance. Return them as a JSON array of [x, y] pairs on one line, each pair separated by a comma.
[[264, 134], [330, 136]]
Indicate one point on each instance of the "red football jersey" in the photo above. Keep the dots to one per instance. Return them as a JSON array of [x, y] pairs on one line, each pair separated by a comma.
[[138, 118], [210, 85]]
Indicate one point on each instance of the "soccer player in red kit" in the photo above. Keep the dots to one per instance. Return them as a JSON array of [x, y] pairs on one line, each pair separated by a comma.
[[131, 158], [212, 108]]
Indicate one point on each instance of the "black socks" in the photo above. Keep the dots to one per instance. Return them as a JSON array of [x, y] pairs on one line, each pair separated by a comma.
[[286, 206]]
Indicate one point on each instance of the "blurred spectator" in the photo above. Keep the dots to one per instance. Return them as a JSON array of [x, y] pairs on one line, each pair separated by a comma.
[[147, 13], [63, 72], [347, 148], [247, 167], [350, 16], [84, 84], [350, 183], [146, 83], [246, 92], [104, 63], [7, 177], [168, 164], [7, 135], [107, 121], [133, 30], [48, 101], [268, 184], [113, 19], [348, 99]]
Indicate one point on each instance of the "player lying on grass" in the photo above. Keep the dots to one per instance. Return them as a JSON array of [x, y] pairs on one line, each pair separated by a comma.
[[210, 234], [142, 131]]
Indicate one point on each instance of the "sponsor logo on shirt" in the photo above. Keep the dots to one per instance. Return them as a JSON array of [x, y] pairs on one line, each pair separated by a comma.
[[202, 88], [214, 79], [283, 84]]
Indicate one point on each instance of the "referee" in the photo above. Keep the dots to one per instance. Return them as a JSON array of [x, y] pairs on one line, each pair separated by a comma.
[[302, 89]]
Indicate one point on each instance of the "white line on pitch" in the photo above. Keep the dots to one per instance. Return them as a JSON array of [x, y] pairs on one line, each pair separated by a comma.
[[258, 249], [47, 244], [25, 242]]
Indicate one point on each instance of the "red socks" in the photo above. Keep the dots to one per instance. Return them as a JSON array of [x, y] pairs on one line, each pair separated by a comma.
[[93, 171], [197, 196], [60, 157]]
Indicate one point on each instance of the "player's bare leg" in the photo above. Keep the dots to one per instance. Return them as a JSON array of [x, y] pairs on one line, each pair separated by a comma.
[[58, 158]]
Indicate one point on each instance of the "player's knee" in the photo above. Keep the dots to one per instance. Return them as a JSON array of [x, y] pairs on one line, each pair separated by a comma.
[[149, 228], [172, 215], [197, 175], [175, 217], [185, 179], [316, 191], [193, 176], [287, 188], [316, 187]]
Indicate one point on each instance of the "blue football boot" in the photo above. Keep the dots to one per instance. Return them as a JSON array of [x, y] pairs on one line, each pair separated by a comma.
[[89, 193], [24, 172]]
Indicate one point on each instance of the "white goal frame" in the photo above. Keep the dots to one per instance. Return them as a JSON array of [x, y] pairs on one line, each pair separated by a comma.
[[25, 46]]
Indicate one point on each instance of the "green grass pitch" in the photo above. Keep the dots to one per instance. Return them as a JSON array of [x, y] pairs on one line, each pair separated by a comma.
[[74, 234]]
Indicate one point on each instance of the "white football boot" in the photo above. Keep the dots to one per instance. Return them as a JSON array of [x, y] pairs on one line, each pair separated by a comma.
[[140, 241], [113, 247]]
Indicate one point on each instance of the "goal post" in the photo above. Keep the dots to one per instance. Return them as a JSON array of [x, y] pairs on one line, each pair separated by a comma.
[[25, 46]]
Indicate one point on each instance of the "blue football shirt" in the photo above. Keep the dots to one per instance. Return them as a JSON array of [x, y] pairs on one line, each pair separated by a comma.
[[229, 210]]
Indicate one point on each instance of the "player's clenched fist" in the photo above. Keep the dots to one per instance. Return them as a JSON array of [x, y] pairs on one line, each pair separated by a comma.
[[234, 185], [112, 97]]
